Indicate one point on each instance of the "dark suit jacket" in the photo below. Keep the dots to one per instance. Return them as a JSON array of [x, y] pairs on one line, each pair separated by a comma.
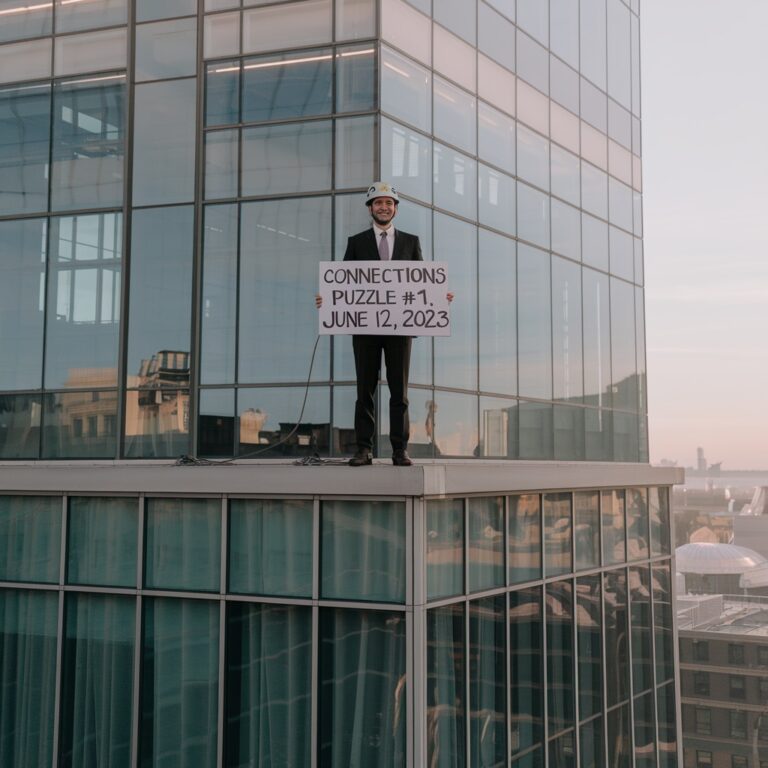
[[363, 247]]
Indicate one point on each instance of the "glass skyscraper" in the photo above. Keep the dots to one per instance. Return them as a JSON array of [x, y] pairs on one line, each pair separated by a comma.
[[171, 173]]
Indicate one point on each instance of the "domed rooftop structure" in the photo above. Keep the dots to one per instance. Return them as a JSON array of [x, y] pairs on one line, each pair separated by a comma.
[[708, 558]]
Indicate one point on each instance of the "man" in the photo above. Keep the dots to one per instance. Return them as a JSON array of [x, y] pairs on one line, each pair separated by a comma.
[[382, 242]]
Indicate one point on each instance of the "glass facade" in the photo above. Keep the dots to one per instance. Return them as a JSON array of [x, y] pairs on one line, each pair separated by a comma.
[[235, 138]]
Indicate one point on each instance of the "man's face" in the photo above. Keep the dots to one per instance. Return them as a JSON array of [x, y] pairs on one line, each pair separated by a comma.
[[383, 210]]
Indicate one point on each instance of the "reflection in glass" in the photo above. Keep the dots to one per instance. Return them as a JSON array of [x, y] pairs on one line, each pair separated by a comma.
[[496, 137], [25, 61], [19, 426], [90, 52], [221, 34], [667, 717], [564, 30], [557, 533], [645, 741], [269, 666], [589, 624], [623, 360], [662, 616], [534, 322], [80, 424], [96, 13], [22, 302], [166, 49], [594, 233], [25, 118], [642, 653], [594, 190], [28, 628], [216, 422], [446, 686], [164, 142], [102, 541], [597, 339], [183, 544], [222, 93], [562, 751], [626, 440], [536, 430], [270, 547], [406, 159], [84, 280], [586, 506], [637, 523], [267, 427], [30, 538], [565, 175], [405, 89], [619, 738], [426, 422], [486, 543], [355, 148], [497, 207], [487, 681], [454, 112], [97, 682], [658, 508], [355, 19], [566, 229], [20, 22], [496, 36], [532, 157], [445, 548], [453, 417], [497, 276], [568, 432], [613, 506], [355, 78], [591, 745], [593, 44], [455, 181], [157, 419], [362, 697], [272, 28], [616, 638], [560, 661], [524, 530], [149, 10], [281, 243], [567, 330], [222, 157], [287, 85], [363, 550], [526, 670], [179, 691]]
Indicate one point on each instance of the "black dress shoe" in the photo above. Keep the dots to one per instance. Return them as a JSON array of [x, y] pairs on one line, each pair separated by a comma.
[[400, 458], [361, 458]]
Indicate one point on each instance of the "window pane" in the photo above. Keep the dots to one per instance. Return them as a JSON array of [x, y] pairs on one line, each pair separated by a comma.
[[597, 338], [566, 330], [591, 744], [446, 686], [566, 177], [533, 215], [587, 529], [166, 49], [271, 28], [407, 29], [445, 548], [455, 423], [568, 425], [363, 550], [22, 286], [487, 682], [534, 334], [564, 30], [459, 16], [222, 156], [455, 181], [486, 543], [355, 150], [269, 676], [287, 158], [219, 300], [593, 41], [455, 116], [183, 544], [623, 359], [405, 89], [222, 93], [619, 738], [216, 423], [498, 313], [594, 190], [355, 19], [102, 541], [496, 36], [25, 61], [28, 625], [496, 137], [406, 160], [161, 276], [662, 613], [164, 141], [96, 13], [557, 533], [524, 528], [222, 35], [642, 655], [157, 419], [665, 700], [526, 669], [532, 157], [25, 124], [84, 281], [355, 78], [179, 692], [80, 424], [97, 685], [19, 23], [589, 638], [30, 538], [594, 241], [497, 200], [616, 641], [19, 426], [562, 751], [658, 500], [281, 244], [287, 85], [362, 692], [536, 437], [637, 523], [270, 547], [149, 10], [560, 661], [92, 52]]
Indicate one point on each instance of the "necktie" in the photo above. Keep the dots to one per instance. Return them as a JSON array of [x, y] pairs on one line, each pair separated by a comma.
[[383, 247]]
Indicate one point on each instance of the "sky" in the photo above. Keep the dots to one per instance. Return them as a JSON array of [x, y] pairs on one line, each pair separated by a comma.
[[705, 192]]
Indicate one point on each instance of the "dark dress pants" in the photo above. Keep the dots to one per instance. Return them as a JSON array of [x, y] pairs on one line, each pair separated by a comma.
[[397, 358]]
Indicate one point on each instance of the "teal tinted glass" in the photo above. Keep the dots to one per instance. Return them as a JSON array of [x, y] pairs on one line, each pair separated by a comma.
[[589, 624], [644, 722], [591, 745], [586, 507], [445, 548], [637, 523], [557, 533], [97, 685], [363, 550], [619, 738], [487, 681], [183, 541], [30, 538], [524, 526], [269, 677], [28, 623], [270, 547], [179, 692], [362, 674], [446, 686], [222, 93], [616, 656], [560, 656], [486, 543], [103, 536], [665, 702]]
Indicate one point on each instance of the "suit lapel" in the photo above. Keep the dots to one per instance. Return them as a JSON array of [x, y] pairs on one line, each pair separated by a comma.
[[370, 244], [397, 251]]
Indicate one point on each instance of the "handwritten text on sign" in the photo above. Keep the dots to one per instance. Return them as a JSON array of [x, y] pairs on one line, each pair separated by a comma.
[[391, 298]]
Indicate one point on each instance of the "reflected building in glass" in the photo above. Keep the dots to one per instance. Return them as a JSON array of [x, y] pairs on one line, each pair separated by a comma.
[[172, 173]]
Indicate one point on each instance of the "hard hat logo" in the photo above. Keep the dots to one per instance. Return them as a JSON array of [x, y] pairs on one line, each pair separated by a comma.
[[381, 189]]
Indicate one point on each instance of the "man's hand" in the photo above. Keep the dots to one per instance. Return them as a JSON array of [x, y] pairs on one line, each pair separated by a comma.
[[318, 300]]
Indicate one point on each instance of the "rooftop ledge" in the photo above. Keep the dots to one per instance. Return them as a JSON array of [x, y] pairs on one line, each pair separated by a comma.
[[283, 478]]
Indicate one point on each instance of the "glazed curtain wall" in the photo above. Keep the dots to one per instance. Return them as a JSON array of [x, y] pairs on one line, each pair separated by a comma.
[[215, 151]]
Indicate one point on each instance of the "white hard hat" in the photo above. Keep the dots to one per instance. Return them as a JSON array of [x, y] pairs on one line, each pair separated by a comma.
[[381, 189]]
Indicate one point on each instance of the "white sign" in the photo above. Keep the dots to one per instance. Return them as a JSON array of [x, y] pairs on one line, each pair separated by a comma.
[[386, 298]]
